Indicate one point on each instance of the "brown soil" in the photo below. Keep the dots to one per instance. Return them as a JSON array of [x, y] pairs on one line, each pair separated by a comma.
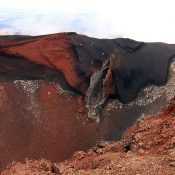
[[147, 148]]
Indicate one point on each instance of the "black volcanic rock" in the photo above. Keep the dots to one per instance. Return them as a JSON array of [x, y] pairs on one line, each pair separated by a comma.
[[133, 65], [146, 66]]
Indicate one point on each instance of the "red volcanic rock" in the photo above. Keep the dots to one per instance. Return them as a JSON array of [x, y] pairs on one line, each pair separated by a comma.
[[32, 167], [53, 51], [156, 134], [77, 57], [147, 148], [39, 120], [50, 87]]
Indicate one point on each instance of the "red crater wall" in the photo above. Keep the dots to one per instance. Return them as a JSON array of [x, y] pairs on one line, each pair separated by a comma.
[[53, 89]]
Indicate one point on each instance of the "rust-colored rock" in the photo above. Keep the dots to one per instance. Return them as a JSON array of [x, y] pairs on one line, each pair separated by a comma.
[[52, 86], [38, 119], [41, 120], [156, 134], [128, 156], [78, 57], [53, 51]]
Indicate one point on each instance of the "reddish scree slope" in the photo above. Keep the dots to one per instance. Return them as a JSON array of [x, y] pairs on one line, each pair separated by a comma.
[[146, 149]]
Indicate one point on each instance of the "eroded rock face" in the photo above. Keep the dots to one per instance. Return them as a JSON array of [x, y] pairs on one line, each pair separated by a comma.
[[147, 148], [51, 87]]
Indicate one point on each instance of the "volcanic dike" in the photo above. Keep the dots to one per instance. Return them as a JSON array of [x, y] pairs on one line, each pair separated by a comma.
[[64, 92]]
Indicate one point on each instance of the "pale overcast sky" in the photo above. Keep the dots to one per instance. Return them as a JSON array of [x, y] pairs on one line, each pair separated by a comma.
[[145, 20]]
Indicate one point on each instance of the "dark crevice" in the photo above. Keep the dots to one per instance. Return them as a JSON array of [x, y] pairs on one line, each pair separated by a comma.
[[96, 96], [75, 52], [127, 147]]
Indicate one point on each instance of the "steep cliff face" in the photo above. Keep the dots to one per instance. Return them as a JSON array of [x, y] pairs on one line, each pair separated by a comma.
[[51, 87]]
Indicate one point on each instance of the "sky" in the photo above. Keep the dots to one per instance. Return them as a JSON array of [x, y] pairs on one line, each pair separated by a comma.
[[143, 20]]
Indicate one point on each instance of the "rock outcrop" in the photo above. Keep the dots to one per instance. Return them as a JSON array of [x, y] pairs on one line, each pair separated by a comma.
[[51, 87]]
